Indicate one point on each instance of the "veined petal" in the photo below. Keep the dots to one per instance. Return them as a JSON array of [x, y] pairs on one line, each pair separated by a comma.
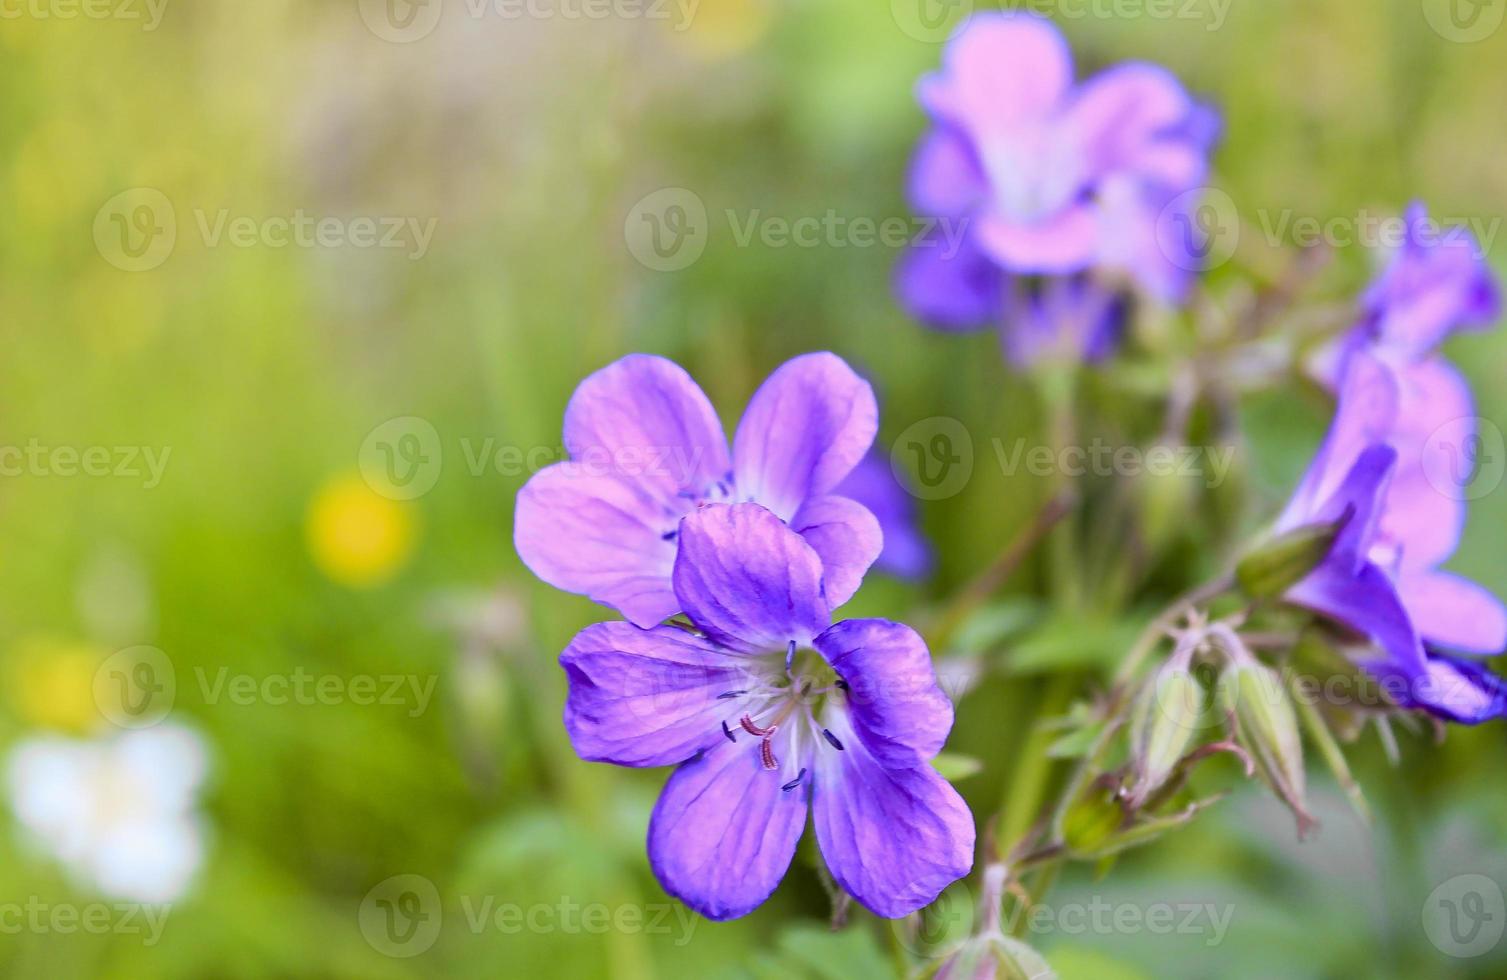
[[645, 697], [804, 430], [999, 71], [724, 831], [643, 419], [1454, 689], [598, 536], [895, 704], [1454, 612], [847, 539], [892, 838], [747, 580], [1435, 428]]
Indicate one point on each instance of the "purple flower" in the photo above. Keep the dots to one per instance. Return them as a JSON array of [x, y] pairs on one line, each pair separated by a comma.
[[769, 710], [1379, 469], [875, 484], [646, 448], [1045, 177]]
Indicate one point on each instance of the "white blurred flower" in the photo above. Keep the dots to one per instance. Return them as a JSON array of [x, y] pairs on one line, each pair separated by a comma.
[[120, 812]]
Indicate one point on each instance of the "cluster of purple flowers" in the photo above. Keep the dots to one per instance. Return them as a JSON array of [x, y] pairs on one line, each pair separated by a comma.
[[767, 708], [1394, 467], [1069, 196]]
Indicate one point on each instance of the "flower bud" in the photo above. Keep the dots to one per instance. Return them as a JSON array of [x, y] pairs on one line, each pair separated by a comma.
[[1168, 715], [1092, 821], [1266, 726], [1284, 561]]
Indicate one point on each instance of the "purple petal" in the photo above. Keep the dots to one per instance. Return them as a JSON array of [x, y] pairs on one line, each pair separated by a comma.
[[748, 581], [958, 289], [806, 427], [1453, 612], [945, 177], [1363, 417], [1364, 600], [847, 539], [892, 838], [642, 418], [1126, 119], [645, 697], [1454, 689], [723, 832], [1437, 283], [598, 536], [1064, 241], [1000, 71], [874, 484], [897, 709], [1433, 433]]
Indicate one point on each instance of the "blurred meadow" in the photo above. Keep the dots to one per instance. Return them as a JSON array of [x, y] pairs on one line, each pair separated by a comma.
[[239, 383]]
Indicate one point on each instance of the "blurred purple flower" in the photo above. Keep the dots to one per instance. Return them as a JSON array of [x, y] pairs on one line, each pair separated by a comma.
[[1045, 177], [770, 710], [646, 449], [1382, 577], [873, 483]]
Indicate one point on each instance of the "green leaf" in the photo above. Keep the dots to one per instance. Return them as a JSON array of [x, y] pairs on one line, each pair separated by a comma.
[[954, 766]]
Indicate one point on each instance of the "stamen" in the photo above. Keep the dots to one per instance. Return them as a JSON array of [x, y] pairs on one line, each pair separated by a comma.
[[728, 732], [842, 685], [755, 730], [725, 695], [766, 755], [668, 536], [831, 738], [794, 782], [789, 656]]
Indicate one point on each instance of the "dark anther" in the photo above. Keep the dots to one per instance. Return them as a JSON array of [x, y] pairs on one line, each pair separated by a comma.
[[725, 695], [842, 685], [668, 536], [830, 738], [794, 782], [728, 732]]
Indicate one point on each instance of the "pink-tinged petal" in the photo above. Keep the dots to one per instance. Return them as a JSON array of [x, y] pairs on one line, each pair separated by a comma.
[[1451, 688], [724, 831], [1122, 118], [645, 697], [747, 580], [945, 177], [1434, 435], [1000, 71], [598, 536], [847, 539], [897, 709], [954, 289], [892, 838], [804, 430], [643, 419], [1453, 612], [1066, 241]]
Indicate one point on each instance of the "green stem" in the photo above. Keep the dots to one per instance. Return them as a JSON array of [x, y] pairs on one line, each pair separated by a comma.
[[1024, 796]]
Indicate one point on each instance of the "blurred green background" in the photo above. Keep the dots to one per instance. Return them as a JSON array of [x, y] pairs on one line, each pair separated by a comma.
[[528, 141]]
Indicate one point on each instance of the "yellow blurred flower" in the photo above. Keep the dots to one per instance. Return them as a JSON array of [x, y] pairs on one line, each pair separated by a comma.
[[51, 682], [357, 536], [723, 28]]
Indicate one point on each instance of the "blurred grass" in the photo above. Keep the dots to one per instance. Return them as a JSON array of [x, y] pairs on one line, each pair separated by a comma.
[[264, 369]]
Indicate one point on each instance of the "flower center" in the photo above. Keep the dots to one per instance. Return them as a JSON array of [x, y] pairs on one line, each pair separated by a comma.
[[778, 711]]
